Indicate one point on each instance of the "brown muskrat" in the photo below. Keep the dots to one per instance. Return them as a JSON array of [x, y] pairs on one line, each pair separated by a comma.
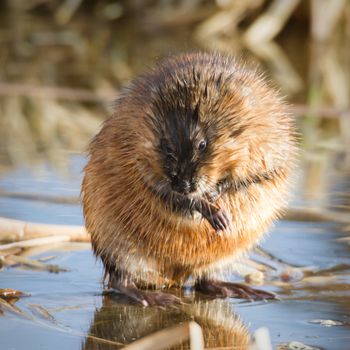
[[186, 175]]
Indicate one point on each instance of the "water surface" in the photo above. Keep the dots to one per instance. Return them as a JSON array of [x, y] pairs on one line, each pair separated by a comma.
[[80, 312]]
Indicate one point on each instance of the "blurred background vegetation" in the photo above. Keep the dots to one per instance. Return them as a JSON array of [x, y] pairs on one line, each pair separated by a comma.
[[63, 62]]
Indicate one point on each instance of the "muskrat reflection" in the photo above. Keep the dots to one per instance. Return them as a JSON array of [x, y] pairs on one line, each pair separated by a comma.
[[123, 324]]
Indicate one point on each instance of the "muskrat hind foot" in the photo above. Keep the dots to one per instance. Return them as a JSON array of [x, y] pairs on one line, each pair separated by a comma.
[[220, 289], [144, 297]]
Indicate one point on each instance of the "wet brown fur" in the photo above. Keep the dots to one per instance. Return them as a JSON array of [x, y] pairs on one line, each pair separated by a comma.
[[253, 135]]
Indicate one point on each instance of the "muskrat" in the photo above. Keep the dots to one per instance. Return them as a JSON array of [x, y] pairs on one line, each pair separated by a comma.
[[186, 175]]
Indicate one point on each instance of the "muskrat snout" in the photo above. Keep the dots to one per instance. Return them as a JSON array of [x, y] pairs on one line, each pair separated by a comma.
[[183, 186]]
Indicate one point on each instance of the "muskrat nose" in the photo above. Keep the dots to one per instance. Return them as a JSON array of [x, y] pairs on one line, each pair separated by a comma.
[[181, 186]]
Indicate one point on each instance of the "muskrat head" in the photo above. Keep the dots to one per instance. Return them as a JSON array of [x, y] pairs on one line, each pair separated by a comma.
[[204, 126], [186, 142], [190, 139], [184, 147]]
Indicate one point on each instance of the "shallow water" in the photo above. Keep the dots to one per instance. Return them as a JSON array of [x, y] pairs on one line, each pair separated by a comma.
[[95, 54], [80, 312]]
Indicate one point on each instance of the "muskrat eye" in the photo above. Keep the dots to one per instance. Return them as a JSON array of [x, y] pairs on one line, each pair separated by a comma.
[[165, 148], [202, 145], [170, 157]]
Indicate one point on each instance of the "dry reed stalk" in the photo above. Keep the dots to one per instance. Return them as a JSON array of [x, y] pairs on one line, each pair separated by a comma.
[[325, 15], [307, 214], [173, 18], [84, 95], [52, 92], [320, 111], [271, 22], [7, 307], [282, 68], [11, 251], [259, 39], [224, 21], [64, 247], [39, 234], [34, 264], [66, 11], [8, 294], [35, 242], [171, 336], [15, 131], [100, 340]]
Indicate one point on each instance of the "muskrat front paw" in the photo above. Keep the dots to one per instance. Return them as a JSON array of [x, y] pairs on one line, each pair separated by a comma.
[[220, 220]]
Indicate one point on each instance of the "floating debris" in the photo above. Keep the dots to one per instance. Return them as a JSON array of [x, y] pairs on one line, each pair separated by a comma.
[[7, 307], [15, 260], [8, 294], [47, 258], [327, 323], [295, 345], [319, 280], [256, 278], [291, 274]]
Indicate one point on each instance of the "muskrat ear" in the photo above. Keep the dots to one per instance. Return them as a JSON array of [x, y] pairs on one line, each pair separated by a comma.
[[196, 113]]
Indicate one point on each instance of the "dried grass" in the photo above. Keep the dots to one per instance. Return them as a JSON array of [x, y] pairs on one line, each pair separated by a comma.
[[102, 60]]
